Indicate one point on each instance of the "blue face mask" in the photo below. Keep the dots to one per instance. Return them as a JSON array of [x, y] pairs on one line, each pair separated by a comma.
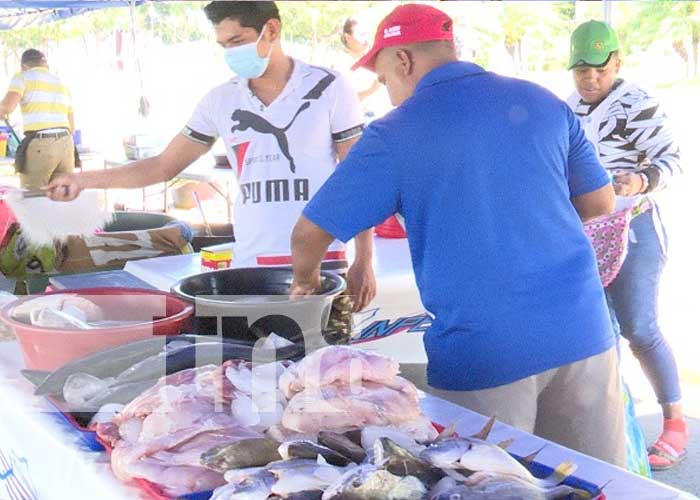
[[245, 61]]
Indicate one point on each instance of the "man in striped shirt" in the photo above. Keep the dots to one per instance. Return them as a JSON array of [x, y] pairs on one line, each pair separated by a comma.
[[47, 149]]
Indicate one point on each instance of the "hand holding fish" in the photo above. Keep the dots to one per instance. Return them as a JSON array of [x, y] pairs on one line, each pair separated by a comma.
[[302, 288]]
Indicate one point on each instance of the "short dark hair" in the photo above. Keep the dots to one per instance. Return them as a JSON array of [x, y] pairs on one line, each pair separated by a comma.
[[348, 29], [249, 14], [33, 57]]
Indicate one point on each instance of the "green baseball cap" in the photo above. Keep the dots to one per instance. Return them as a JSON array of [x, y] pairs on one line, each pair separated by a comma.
[[591, 44]]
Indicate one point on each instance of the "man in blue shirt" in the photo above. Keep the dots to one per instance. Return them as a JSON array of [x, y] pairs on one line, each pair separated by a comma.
[[493, 176]]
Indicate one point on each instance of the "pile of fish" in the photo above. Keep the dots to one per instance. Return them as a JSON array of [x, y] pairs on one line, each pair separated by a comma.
[[196, 413], [338, 388], [191, 427], [371, 465], [118, 375]]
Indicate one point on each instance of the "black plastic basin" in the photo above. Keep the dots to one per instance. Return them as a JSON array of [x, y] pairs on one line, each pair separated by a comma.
[[254, 302]]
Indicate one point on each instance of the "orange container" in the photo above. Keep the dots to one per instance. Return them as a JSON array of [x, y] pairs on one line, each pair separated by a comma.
[[155, 313], [3, 144]]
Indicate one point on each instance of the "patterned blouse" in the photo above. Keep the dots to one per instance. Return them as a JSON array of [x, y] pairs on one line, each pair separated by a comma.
[[635, 137]]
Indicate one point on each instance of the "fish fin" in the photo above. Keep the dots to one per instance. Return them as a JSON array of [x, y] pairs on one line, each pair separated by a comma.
[[506, 443], [527, 460], [447, 432], [486, 430], [605, 485], [562, 471]]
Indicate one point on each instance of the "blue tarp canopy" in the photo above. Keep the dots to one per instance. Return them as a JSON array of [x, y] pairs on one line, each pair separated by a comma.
[[22, 13]]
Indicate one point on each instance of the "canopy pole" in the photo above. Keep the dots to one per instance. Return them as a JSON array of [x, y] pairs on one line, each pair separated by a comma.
[[144, 106], [607, 11]]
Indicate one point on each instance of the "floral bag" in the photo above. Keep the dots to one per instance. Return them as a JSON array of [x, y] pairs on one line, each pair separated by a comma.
[[609, 235]]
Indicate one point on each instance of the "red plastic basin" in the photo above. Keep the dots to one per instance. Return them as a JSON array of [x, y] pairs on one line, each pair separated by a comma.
[[158, 313]]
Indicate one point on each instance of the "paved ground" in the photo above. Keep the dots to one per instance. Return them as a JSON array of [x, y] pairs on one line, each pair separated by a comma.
[[685, 476], [679, 299]]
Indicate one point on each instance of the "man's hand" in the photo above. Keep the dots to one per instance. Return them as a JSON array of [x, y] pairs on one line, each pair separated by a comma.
[[628, 184], [362, 285], [65, 187], [303, 288]]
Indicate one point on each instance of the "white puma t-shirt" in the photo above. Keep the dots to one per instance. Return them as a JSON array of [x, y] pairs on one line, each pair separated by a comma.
[[281, 154]]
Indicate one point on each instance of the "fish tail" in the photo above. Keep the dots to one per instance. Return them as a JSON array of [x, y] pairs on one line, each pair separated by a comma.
[[562, 471]]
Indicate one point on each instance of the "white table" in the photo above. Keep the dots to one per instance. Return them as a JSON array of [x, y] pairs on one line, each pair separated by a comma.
[[202, 170], [48, 457]]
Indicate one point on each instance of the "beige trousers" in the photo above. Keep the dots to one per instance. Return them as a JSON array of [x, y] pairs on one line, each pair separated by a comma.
[[47, 157], [579, 405]]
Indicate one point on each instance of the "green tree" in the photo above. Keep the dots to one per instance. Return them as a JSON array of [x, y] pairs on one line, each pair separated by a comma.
[[319, 22], [174, 22], [678, 21]]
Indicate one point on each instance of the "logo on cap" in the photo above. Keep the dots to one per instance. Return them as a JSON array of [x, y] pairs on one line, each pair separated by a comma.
[[392, 32], [597, 45]]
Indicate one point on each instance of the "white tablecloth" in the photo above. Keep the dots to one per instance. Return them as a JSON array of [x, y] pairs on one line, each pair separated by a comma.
[[48, 457]]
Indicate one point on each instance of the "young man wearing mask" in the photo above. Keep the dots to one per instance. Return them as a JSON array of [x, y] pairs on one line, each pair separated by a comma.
[[285, 124]]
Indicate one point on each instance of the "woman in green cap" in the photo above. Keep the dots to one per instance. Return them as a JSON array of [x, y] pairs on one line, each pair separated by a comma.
[[633, 141]]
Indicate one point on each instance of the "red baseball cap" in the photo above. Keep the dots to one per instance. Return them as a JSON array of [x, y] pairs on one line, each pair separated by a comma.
[[408, 24]]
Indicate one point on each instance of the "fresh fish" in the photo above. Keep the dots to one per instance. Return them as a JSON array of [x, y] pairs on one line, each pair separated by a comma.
[[103, 364], [445, 454], [111, 362], [475, 454], [81, 387], [494, 487], [354, 435], [36, 377], [190, 356], [292, 463], [372, 433], [485, 457], [182, 358], [241, 454], [105, 413], [238, 475], [255, 486], [304, 448], [399, 461], [122, 394], [367, 482], [301, 495], [280, 433], [300, 476], [343, 445]]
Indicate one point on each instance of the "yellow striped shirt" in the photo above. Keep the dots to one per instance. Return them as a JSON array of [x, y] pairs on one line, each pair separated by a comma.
[[45, 102]]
